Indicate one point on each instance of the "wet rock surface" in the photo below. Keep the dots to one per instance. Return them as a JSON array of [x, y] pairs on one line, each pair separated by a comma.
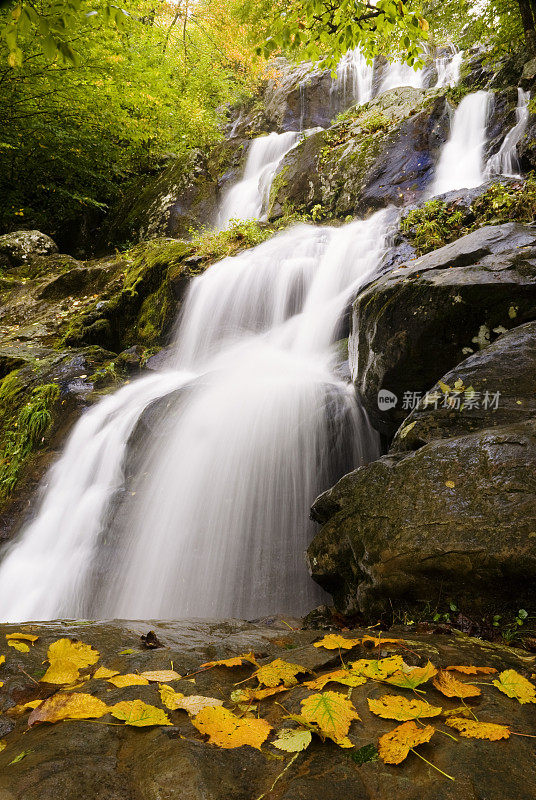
[[79, 758]]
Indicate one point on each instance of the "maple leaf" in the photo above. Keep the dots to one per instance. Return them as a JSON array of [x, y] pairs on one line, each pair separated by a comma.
[[236, 661], [512, 684], [278, 671], [347, 677], [411, 677], [128, 680], [66, 658], [226, 730], [104, 672], [392, 706], [334, 641], [470, 670], [450, 686], [160, 676], [395, 746], [67, 706], [22, 647], [479, 730], [377, 669], [25, 637], [292, 741], [139, 714], [332, 712]]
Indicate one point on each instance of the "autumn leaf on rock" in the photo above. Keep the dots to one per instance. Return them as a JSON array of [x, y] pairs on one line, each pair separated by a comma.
[[236, 661], [347, 677], [251, 695], [334, 641], [378, 641], [160, 676], [226, 730], [411, 677], [25, 637], [22, 647], [450, 686], [512, 684], [66, 657], [470, 670], [68, 706], [277, 672], [479, 730], [293, 741], [377, 669], [2, 660], [196, 703], [392, 706], [394, 746], [139, 714], [332, 712], [104, 672], [121, 681], [169, 697]]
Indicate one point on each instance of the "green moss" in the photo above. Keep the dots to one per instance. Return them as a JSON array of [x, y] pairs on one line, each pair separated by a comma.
[[240, 235]]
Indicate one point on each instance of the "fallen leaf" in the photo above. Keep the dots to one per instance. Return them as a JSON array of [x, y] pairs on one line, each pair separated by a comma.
[[160, 676], [3, 744], [479, 730], [332, 712], [292, 741], [68, 706], [278, 671], [104, 672], [512, 684], [472, 670], [22, 647], [460, 711], [226, 730], [250, 695], [236, 661], [411, 677], [61, 671], [392, 706], [395, 745], [27, 637], [450, 686], [19, 757], [334, 641], [196, 703], [378, 641], [347, 677], [121, 681], [126, 652], [2, 660], [450, 484], [169, 697], [139, 714], [377, 669], [66, 657]]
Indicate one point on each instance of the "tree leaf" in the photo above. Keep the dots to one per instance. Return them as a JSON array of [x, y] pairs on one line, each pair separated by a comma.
[[512, 684], [334, 641], [68, 706], [392, 706], [479, 730], [378, 641], [104, 672], [66, 657], [332, 712], [2, 660], [139, 714], [411, 677], [470, 670], [377, 669], [61, 671], [226, 730], [130, 679], [347, 677], [277, 672], [251, 695], [293, 741], [160, 676], [3, 744], [450, 686], [394, 746], [196, 703], [26, 637], [22, 647], [169, 697], [236, 661]]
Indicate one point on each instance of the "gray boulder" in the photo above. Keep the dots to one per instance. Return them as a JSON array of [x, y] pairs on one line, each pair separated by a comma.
[[20, 247]]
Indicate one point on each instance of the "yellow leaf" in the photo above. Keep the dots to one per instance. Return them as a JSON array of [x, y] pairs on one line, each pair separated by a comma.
[[22, 647], [196, 703], [345, 676], [378, 641], [479, 730], [512, 684], [377, 669], [139, 714], [334, 641], [391, 706], [293, 741], [68, 706], [250, 695], [2, 660], [395, 745], [61, 671], [169, 697], [160, 676], [450, 686], [128, 680], [236, 661], [410, 677], [450, 484], [332, 712], [66, 657], [445, 388], [104, 672], [226, 730], [470, 670], [278, 671], [27, 637]]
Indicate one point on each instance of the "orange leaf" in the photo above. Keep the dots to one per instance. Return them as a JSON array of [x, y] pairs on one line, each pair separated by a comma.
[[226, 730], [472, 670], [395, 745], [479, 730], [68, 706], [450, 686], [373, 641], [236, 661], [334, 641]]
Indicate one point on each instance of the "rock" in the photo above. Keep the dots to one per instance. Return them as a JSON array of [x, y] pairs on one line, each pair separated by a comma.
[[20, 247], [420, 320], [115, 762]]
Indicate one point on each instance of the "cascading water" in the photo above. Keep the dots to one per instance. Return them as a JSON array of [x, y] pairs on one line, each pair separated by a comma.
[[219, 519], [248, 198], [399, 74], [353, 84], [505, 161], [461, 164]]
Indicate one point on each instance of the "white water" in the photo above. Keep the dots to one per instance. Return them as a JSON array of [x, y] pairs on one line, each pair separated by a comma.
[[505, 161], [218, 523], [448, 68], [353, 83], [461, 164], [400, 74], [248, 198]]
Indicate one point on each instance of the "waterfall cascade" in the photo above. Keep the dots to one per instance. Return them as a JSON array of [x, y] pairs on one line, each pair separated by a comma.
[[505, 161], [448, 68]]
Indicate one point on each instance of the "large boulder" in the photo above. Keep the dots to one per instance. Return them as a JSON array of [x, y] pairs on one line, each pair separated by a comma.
[[415, 323], [21, 247], [450, 512]]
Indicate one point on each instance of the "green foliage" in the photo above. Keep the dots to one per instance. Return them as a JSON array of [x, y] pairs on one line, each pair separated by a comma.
[[437, 223], [240, 234]]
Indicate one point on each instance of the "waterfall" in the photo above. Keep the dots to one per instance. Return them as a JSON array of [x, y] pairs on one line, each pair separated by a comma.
[[218, 519], [461, 164], [248, 198], [401, 74], [448, 68], [353, 83], [505, 161]]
